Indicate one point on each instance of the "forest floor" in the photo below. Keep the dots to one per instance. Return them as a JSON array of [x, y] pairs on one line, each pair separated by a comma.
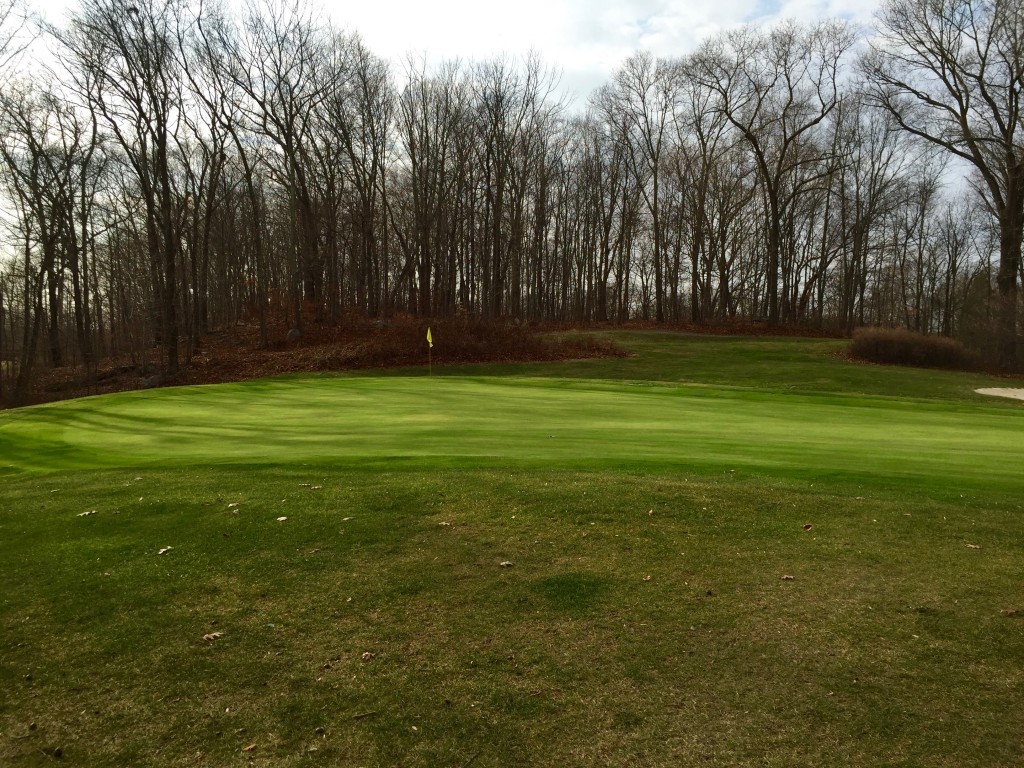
[[234, 354]]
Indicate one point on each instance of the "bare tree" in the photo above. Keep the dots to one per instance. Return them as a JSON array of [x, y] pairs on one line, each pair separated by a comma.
[[949, 71], [214, 85], [431, 113], [47, 149], [954, 234], [702, 144], [510, 108], [873, 159], [640, 102], [15, 33], [776, 87], [359, 110], [606, 179], [126, 64], [281, 64]]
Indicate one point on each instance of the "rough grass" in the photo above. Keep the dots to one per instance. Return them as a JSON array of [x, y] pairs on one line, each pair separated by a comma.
[[645, 621], [887, 646]]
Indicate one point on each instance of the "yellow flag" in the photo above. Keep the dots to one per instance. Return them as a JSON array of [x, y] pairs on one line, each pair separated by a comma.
[[430, 341]]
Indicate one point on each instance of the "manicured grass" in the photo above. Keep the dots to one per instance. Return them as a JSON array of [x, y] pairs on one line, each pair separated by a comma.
[[645, 620], [765, 363]]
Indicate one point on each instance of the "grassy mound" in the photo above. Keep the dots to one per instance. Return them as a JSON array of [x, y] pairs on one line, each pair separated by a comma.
[[783, 558]]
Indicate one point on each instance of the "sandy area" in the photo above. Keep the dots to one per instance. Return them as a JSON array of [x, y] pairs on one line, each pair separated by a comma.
[[1016, 394]]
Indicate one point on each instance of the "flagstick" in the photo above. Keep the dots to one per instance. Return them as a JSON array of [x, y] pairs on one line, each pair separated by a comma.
[[430, 353]]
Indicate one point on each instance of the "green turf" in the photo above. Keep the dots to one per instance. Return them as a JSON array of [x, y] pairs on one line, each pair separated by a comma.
[[651, 507], [765, 363]]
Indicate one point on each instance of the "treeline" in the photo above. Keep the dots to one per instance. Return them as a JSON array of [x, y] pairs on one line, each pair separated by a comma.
[[170, 168]]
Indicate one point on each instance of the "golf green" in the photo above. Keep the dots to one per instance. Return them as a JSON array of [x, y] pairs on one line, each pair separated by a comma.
[[483, 421]]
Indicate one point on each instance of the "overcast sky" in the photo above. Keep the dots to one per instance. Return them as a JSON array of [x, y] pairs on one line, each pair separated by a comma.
[[585, 39]]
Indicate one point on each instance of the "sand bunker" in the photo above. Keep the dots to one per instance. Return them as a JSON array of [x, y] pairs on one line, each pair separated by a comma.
[[1016, 394]]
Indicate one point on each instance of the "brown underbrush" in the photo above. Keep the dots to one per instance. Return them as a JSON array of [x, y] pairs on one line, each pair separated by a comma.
[[233, 354], [898, 346]]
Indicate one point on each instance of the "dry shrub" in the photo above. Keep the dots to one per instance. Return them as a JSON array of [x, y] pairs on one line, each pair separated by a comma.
[[898, 346], [469, 341], [358, 343]]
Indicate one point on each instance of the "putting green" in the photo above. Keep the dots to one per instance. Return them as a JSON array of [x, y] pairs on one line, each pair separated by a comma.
[[464, 421]]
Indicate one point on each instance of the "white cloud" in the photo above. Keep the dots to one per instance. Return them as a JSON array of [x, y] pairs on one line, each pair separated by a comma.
[[586, 40]]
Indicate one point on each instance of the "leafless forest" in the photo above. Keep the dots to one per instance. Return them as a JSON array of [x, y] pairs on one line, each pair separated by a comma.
[[169, 168]]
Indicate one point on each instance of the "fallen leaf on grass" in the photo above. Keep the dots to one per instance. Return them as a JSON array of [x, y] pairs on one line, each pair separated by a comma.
[[367, 656], [787, 577], [443, 522], [250, 748], [86, 514], [974, 546], [647, 578], [165, 550], [808, 527], [213, 636], [507, 563], [281, 519]]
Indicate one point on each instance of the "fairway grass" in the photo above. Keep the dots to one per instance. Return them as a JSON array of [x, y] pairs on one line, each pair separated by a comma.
[[648, 618]]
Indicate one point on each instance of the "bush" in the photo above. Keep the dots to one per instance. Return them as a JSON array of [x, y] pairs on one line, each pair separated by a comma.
[[898, 346], [474, 341], [403, 342]]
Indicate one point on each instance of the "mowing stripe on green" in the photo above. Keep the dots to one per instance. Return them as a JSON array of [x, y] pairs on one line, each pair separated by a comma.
[[555, 422]]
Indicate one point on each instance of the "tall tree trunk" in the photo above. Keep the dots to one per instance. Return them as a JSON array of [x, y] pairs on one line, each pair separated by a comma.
[[1010, 233]]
